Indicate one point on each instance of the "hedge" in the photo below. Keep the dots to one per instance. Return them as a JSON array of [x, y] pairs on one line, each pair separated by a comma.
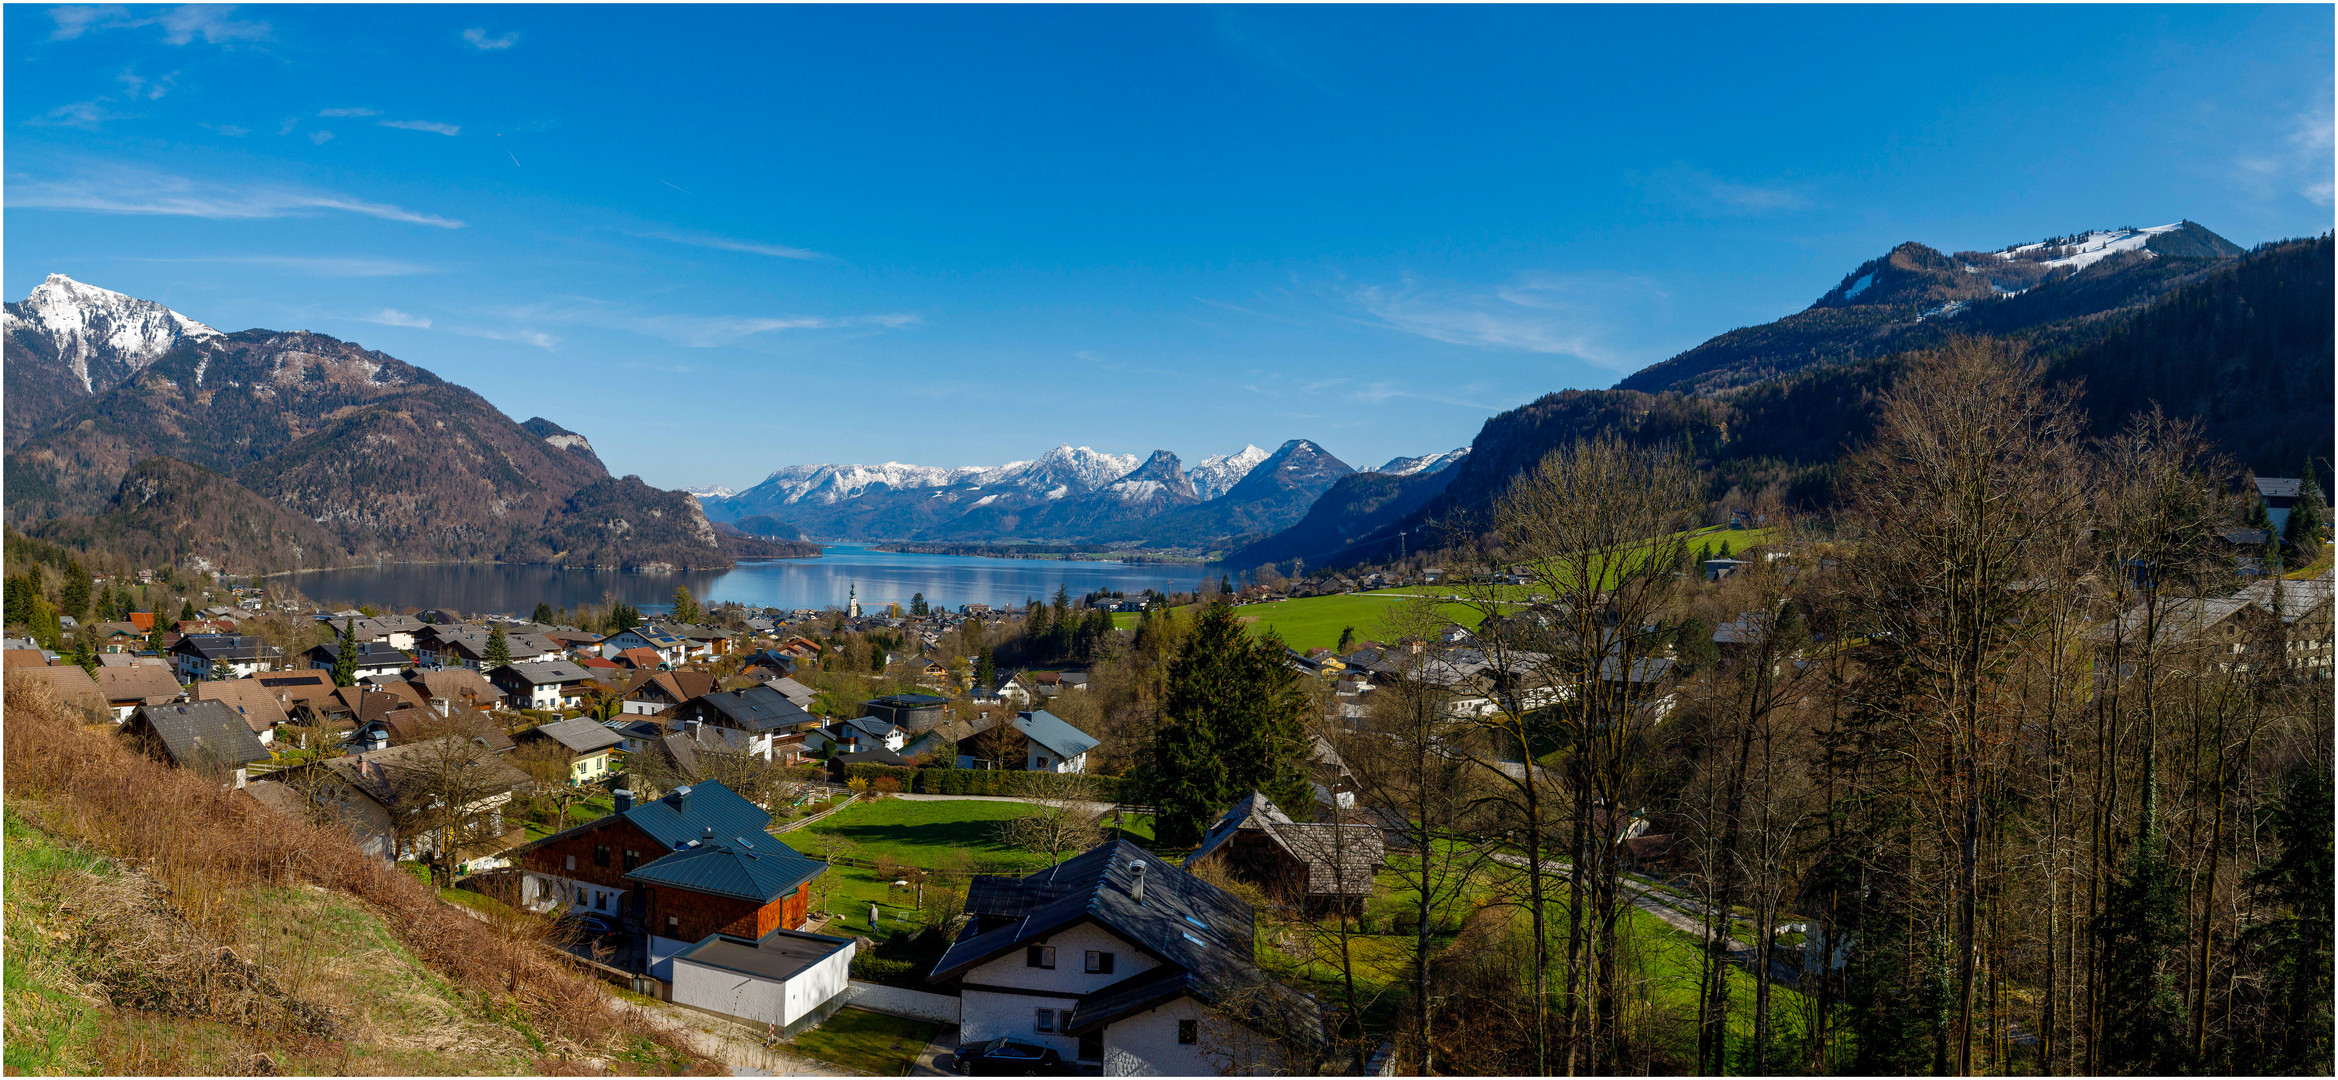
[[872, 773]]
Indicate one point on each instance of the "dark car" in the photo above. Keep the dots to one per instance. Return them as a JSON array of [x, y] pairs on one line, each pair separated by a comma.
[[586, 927], [1006, 1057]]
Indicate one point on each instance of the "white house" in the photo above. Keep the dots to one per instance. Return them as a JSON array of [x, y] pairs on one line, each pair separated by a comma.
[[1050, 744], [1124, 962], [558, 684], [671, 648]]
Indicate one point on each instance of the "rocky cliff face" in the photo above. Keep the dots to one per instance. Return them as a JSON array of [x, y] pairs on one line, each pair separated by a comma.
[[385, 456]]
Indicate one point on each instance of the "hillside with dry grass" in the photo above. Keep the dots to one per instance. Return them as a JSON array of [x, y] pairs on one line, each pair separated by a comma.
[[157, 924]]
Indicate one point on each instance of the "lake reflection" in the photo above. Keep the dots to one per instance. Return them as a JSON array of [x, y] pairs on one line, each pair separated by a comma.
[[880, 576]]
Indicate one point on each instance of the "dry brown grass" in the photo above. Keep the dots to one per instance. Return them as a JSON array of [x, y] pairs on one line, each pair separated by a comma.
[[205, 849]]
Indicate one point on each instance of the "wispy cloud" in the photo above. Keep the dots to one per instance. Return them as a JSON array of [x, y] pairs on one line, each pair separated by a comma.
[[121, 189], [424, 125], [353, 110], [395, 317], [536, 338], [86, 115], [313, 265], [478, 38], [1558, 314], [229, 130], [2300, 164], [714, 331], [725, 243], [139, 86], [320, 137], [1704, 192], [214, 23]]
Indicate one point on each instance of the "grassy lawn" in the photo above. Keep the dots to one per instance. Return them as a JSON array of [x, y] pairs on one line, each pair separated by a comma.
[[870, 1042], [919, 833]]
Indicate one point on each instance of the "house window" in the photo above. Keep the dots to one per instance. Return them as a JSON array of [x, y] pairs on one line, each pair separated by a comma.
[[601, 855], [572, 862], [1188, 1032], [632, 860], [1042, 762], [1099, 963], [673, 926], [601, 901], [1040, 956], [1046, 1019]]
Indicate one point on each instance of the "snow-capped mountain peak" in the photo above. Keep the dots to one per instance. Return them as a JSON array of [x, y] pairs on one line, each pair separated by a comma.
[[716, 491], [1218, 474], [2086, 249], [1426, 464], [83, 323]]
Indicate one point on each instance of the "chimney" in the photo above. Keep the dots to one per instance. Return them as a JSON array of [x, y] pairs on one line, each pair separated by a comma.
[[624, 800], [444, 706], [692, 726], [1136, 886], [681, 799]]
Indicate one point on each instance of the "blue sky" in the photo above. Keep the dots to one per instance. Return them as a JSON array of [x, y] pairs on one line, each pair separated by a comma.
[[721, 240]]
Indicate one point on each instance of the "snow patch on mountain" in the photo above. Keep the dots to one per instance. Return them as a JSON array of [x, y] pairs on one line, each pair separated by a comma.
[[80, 320], [716, 491], [573, 442], [1426, 464], [1069, 468], [1218, 474], [2086, 249], [1860, 285]]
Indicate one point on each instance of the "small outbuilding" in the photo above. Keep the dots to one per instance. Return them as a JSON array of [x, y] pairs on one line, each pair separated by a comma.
[[786, 979]]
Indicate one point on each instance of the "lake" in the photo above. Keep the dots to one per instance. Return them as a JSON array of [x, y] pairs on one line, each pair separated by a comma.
[[880, 577]]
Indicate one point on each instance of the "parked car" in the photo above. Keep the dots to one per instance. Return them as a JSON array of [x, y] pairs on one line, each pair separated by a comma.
[[585, 927], [1006, 1057]]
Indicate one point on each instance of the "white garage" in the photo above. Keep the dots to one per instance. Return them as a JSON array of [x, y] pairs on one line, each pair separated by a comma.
[[789, 978]]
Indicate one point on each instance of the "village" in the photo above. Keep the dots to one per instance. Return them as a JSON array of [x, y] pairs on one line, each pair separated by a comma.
[[781, 817]]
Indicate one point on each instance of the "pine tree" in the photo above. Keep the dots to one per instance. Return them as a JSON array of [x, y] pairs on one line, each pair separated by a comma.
[[498, 650], [1230, 723], [345, 659], [917, 604], [187, 611], [85, 651], [685, 605], [2141, 929], [2308, 517], [986, 670], [74, 600], [2291, 940], [1347, 639], [543, 615], [1724, 549], [18, 596]]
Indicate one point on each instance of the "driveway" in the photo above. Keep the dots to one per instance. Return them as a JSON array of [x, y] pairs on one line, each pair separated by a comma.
[[738, 1047]]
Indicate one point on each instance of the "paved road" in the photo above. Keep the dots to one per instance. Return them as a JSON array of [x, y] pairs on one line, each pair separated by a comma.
[[1678, 912], [738, 1047]]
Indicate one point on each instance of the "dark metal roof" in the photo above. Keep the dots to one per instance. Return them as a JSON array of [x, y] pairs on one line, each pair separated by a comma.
[[227, 647], [779, 956], [754, 867], [203, 732], [754, 708], [1202, 935]]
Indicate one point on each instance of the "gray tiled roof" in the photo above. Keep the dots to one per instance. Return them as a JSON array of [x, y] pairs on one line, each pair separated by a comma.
[[579, 736], [1203, 935], [1054, 733]]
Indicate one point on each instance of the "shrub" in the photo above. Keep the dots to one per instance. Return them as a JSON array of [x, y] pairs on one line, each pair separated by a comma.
[[857, 785], [885, 785]]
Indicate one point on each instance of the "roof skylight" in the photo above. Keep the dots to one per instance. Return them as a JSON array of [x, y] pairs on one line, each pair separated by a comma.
[[1191, 938], [1197, 922]]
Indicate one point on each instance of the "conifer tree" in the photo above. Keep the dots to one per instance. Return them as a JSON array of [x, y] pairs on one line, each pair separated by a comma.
[[1347, 639], [2142, 931], [2308, 517], [685, 605], [1230, 723], [543, 613], [74, 600], [345, 658], [187, 610], [986, 671], [85, 651], [2293, 939], [498, 650]]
